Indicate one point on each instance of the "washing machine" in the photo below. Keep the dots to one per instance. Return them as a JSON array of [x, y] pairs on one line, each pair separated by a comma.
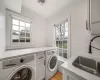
[[51, 63], [18, 68]]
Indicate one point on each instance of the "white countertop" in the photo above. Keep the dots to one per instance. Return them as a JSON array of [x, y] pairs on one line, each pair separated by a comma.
[[68, 66], [14, 53]]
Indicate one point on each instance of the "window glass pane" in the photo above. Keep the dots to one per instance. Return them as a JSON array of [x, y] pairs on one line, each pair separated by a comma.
[[57, 33], [60, 44], [22, 29], [27, 39], [15, 40], [27, 34], [66, 30], [15, 37], [22, 39], [22, 23], [16, 28], [66, 35], [60, 52], [15, 33], [27, 30], [61, 36], [65, 44], [62, 28], [64, 53], [57, 43], [14, 21], [28, 25], [22, 34], [66, 25]]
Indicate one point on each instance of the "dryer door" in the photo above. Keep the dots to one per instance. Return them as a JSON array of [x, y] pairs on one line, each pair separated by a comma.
[[52, 64], [22, 73]]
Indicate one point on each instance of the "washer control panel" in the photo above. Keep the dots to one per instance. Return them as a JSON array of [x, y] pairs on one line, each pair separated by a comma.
[[12, 62]]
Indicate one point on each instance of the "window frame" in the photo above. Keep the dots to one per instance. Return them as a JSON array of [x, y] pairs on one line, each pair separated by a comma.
[[69, 37], [20, 45]]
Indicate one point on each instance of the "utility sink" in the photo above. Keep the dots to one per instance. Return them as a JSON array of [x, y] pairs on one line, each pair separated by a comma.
[[88, 65]]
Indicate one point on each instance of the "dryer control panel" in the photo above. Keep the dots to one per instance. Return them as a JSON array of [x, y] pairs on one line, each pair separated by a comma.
[[12, 62]]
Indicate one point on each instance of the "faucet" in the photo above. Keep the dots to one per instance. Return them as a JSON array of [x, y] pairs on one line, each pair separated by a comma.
[[90, 47]]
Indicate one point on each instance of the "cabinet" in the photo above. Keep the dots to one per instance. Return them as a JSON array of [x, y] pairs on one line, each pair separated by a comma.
[[40, 66], [69, 78], [68, 75], [40, 69], [94, 16], [14, 5]]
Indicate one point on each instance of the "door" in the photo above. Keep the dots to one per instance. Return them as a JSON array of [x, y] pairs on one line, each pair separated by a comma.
[[40, 66], [22, 73], [40, 70], [68, 75], [52, 64]]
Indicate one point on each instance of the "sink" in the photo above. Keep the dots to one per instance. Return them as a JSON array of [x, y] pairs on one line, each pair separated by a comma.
[[89, 65]]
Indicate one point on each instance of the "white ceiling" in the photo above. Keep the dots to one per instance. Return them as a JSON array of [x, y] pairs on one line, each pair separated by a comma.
[[48, 9]]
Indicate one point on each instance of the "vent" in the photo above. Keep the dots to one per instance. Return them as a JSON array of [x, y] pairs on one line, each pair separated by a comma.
[[41, 1]]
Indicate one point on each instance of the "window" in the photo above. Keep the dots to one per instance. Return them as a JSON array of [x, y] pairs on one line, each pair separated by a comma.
[[62, 39], [18, 31]]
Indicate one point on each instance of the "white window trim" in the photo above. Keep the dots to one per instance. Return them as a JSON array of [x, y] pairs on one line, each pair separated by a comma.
[[9, 45], [68, 18], [19, 31]]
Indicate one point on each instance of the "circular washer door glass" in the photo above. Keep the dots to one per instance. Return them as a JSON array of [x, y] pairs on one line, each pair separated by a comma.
[[53, 62], [23, 74]]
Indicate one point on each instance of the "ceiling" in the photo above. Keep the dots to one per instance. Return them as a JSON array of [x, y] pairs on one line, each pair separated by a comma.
[[48, 9]]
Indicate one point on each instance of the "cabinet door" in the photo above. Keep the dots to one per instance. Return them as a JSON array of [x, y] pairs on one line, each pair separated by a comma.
[[73, 77], [40, 70], [95, 11], [94, 16], [14, 5], [69, 78], [68, 75]]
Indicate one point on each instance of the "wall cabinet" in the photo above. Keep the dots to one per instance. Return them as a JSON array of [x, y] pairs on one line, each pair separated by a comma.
[[93, 23], [14, 5]]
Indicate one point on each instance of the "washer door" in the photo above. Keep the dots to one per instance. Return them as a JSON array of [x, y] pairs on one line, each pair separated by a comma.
[[52, 65], [22, 73]]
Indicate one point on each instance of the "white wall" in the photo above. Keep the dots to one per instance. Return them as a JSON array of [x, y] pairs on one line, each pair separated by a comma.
[[39, 27], [80, 37], [2, 27]]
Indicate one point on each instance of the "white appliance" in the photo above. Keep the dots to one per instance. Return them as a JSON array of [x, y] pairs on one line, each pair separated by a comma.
[[40, 66], [51, 63], [18, 68]]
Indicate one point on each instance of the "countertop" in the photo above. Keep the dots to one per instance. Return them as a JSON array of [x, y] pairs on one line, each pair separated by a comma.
[[14, 53], [68, 66]]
